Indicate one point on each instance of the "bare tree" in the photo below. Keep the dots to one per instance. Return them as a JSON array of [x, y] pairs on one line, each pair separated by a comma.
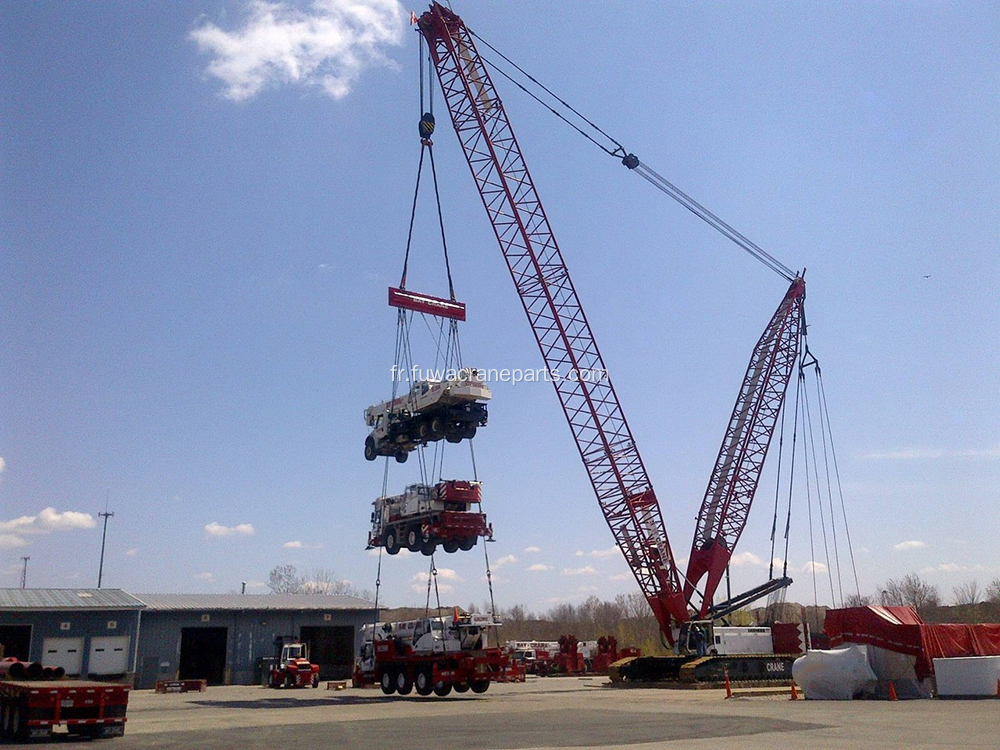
[[993, 591], [284, 579], [967, 594], [859, 600], [910, 591]]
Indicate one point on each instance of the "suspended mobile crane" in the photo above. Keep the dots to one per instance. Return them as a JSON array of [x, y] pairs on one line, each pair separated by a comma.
[[592, 409]]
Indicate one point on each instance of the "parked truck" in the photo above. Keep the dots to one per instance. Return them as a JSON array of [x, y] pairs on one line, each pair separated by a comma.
[[432, 655], [431, 410], [425, 516], [31, 709]]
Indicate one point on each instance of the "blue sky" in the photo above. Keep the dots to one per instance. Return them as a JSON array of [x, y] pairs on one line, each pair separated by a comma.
[[192, 284]]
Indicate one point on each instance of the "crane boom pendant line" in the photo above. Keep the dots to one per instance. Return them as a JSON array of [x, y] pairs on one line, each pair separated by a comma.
[[554, 312]]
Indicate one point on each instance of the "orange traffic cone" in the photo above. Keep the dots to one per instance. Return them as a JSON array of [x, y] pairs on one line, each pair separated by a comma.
[[729, 688], [892, 691], [795, 693]]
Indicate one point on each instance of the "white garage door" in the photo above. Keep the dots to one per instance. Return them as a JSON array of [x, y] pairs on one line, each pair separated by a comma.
[[63, 652], [108, 655]]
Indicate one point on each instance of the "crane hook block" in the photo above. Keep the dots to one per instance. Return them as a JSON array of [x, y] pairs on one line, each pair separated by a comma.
[[426, 125], [631, 161]]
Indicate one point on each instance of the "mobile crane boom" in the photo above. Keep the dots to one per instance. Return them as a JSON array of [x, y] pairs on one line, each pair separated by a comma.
[[554, 311]]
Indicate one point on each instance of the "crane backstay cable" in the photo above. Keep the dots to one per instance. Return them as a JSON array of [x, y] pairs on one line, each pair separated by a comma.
[[630, 160]]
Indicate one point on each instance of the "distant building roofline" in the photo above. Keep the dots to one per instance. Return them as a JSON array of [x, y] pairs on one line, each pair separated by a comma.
[[18, 600]]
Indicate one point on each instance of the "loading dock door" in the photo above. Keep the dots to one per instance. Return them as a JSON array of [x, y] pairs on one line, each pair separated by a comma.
[[63, 652], [203, 655], [332, 647], [16, 641], [108, 655]]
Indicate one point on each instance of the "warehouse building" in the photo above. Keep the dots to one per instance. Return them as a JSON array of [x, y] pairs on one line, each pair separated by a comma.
[[227, 639], [84, 631]]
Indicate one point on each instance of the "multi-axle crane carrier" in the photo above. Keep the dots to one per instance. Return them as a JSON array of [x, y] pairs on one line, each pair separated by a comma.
[[592, 409]]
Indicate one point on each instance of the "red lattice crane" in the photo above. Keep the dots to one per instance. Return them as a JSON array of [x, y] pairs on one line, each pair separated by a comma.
[[567, 344]]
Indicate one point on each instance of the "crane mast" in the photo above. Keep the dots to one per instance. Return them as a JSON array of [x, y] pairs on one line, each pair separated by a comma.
[[557, 319], [737, 470]]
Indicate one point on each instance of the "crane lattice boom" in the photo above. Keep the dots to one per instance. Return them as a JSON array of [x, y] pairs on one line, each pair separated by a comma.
[[557, 319]]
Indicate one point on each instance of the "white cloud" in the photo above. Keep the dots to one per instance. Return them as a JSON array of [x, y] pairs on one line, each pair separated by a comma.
[[3, 464], [300, 545], [206, 576], [539, 568], [328, 44], [217, 529], [443, 588], [505, 560], [11, 541], [613, 550], [910, 544], [587, 570], [923, 453], [620, 577], [532, 549], [47, 520], [741, 559], [579, 553], [814, 567], [403, 552], [132, 552], [444, 574], [947, 567]]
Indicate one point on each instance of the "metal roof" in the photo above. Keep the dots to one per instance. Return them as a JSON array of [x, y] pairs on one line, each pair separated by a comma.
[[205, 602], [63, 599]]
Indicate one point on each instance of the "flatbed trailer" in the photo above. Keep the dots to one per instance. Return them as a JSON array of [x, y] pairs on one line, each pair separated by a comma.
[[31, 709], [398, 669]]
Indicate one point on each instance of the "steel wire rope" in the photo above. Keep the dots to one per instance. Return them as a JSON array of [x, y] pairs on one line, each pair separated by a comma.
[[810, 440], [829, 487], [644, 170], [791, 479], [812, 547], [840, 489], [489, 581], [777, 492]]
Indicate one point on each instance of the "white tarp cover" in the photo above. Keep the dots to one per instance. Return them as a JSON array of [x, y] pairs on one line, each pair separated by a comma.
[[837, 675], [967, 676]]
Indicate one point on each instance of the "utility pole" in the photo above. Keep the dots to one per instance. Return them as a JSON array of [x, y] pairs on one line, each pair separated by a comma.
[[244, 591], [100, 572], [24, 572]]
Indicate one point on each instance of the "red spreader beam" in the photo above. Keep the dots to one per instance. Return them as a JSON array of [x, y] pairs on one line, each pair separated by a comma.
[[425, 303]]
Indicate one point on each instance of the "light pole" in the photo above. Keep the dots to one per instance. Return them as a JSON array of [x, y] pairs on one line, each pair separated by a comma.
[[104, 536]]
